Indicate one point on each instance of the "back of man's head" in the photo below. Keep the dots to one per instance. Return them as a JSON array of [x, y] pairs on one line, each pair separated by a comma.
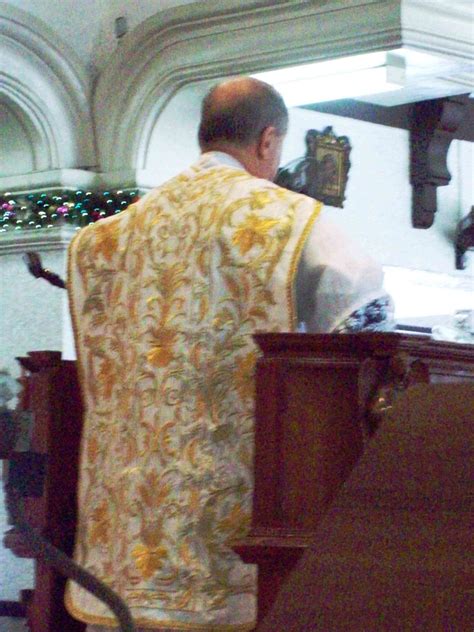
[[237, 111]]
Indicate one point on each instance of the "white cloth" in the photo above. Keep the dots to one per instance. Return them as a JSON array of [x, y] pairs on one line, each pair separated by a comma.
[[335, 278]]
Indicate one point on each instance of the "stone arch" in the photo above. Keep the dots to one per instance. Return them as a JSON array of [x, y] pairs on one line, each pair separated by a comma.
[[201, 42], [38, 135], [46, 89]]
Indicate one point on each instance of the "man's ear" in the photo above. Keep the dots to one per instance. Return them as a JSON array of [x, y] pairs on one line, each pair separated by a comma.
[[266, 143]]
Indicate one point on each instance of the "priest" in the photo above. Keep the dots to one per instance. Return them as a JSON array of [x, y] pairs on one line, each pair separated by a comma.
[[165, 298]]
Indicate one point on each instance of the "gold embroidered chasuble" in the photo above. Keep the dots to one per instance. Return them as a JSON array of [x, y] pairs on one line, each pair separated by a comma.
[[165, 297]]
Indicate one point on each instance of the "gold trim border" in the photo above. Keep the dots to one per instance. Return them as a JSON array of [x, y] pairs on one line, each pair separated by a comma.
[[153, 625], [72, 310]]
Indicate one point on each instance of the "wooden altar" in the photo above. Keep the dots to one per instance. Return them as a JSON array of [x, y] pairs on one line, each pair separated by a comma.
[[314, 413], [394, 550], [50, 392], [315, 394]]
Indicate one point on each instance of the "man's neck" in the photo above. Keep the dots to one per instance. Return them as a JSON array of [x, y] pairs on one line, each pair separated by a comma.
[[244, 155]]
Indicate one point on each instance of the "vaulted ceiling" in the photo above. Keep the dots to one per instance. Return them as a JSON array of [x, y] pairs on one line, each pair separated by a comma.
[[88, 26]]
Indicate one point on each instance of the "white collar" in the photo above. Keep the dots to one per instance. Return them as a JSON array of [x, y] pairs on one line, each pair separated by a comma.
[[215, 158]]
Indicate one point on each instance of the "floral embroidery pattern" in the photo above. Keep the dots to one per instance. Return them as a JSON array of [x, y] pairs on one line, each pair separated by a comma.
[[148, 559], [254, 231], [165, 298]]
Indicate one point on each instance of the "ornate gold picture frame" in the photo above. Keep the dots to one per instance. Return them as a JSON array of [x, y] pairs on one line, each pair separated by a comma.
[[323, 172]]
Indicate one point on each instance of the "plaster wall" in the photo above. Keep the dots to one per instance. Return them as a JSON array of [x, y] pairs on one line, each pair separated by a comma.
[[34, 314], [419, 264], [173, 143], [377, 209]]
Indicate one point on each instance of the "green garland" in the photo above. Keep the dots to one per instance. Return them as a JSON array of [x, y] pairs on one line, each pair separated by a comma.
[[32, 211]]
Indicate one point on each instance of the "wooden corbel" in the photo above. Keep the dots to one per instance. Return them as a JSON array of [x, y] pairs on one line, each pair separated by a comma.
[[464, 239], [433, 126]]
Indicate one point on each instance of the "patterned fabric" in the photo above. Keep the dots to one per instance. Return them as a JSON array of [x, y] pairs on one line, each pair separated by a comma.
[[375, 316], [165, 297], [101, 628]]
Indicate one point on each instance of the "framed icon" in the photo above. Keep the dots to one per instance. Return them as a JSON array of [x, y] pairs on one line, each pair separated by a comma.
[[323, 172]]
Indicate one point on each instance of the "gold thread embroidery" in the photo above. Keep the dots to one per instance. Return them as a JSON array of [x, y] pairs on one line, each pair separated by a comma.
[[150, 321]]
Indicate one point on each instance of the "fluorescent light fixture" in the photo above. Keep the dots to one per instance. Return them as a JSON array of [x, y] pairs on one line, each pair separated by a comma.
[[342, 86], [334, 79], [389, 77]]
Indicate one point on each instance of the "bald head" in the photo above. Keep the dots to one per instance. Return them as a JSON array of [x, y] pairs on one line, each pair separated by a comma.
[[237, 111]]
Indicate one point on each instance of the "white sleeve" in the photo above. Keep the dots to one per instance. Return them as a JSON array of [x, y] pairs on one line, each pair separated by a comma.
[[335, 278]]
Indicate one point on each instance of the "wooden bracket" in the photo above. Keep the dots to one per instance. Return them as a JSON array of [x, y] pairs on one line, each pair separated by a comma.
[[432, 128]]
